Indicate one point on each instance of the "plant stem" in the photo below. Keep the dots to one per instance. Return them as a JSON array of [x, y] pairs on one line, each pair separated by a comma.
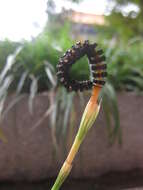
[[88, 118], [66, 168]]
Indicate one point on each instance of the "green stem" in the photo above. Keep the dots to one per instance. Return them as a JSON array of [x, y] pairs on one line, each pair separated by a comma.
[[88, 118], [66, 168]]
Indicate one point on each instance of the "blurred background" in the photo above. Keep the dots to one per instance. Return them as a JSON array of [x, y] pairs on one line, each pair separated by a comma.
[[39, 118]]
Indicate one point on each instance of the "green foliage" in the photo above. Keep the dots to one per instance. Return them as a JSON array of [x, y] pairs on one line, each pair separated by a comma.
[[6, 48], [30, 62], [125, 65], [126, 25]]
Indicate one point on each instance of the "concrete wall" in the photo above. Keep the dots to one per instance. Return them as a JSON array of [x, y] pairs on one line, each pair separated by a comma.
[[28, 155]]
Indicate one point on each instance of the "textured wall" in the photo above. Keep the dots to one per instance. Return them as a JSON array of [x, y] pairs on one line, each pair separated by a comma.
[[29, 153]]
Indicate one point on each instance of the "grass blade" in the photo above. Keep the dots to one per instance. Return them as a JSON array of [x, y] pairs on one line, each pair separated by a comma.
[[21, 82], [110, 107], [50, 73], [9, 63], [33, 91]]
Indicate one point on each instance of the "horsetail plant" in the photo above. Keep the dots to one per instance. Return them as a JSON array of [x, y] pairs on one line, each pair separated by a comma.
[[98, 74]]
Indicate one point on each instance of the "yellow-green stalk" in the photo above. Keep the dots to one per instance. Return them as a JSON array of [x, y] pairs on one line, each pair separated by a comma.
[[89, 116], [2, 136]]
